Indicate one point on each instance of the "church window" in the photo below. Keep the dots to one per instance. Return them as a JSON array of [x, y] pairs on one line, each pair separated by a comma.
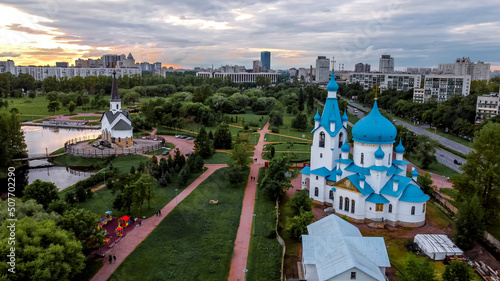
[[362, 158], [379, 207], [116, 106], [322, 139], [353, 206], [316, 177], [341, 138], [423, 208], [412, 210], [119, 139], [316, 191], [390, 208], [353, 275], [389, 159], [346, 207], [340, 202], [321, 155], [331, 194]]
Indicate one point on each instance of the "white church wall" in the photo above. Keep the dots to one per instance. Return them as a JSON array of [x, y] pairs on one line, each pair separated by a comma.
[[346, 275], [405, 215], [368, 149], [121, 134]]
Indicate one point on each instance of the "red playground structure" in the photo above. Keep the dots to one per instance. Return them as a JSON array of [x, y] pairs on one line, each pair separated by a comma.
[[124, 221]]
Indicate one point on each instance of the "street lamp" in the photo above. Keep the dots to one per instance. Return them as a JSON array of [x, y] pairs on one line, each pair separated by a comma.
[[253, 224]]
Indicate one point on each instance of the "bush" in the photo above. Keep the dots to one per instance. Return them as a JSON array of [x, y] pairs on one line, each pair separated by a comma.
[[275, 130]]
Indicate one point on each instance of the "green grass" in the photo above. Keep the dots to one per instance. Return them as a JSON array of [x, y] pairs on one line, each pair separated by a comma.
[[195, 241], [450, 137], [275, 138], [292, 246], [435, 213], [217, 158], [352, 118], [436, 167], [292, 146], [58, 151], [85, 118], [449, 191], [264, 254], [172, 132], [494, 228], [92, 266], [124, 162], [249, 118], [77, 161], [160, 151]]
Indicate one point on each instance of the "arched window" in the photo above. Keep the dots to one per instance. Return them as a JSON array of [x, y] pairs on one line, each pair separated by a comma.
[[117, 106], [321, 155], [340, 202], [322, 139], [331, 194], [390, 208], [346, 207], [316, 191], [423, 208], [413, 210], [389, 159], [362, 158], [353, 206], [341, 139]]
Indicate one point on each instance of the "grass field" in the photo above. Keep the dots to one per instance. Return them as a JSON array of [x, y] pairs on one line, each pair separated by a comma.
[[449, 191], [264, 254], [217, 158], [195, 241], [160, 151], [436, 168], [450, 137], [250, 119], [277, 138], [77, 161]]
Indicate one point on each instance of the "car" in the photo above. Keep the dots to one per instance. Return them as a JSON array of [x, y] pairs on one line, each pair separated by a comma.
[[355, 111], [189, 153], [183, 136], [177, 136], [106, 143], [190, 138], [166, 152], [100, 147]]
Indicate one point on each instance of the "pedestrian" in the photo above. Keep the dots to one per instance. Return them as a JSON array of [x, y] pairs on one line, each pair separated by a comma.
[[156, 213], [110, 258], [159, 212], [114, 258]]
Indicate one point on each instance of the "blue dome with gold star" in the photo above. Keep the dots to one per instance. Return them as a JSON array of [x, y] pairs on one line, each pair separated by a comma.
[[374, 128]]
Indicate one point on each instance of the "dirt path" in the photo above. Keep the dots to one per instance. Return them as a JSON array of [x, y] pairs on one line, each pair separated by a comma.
[[136, 236], [242, 242]]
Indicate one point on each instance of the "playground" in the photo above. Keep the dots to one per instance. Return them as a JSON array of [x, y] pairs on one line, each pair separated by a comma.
[[115, 229]]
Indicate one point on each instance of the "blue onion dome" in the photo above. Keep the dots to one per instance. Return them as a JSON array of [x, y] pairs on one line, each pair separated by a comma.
[[362, 177], [339, 172], [332, 85], [344, 117], [396, 178], [374, 128], [414, 173], [400, 148], [345, 147], [379, 154], [317, 117]]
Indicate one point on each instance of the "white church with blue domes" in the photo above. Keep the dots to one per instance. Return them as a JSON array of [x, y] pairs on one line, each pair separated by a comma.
[[372, 186]]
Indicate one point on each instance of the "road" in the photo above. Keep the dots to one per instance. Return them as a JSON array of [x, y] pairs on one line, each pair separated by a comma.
[[443, 156]]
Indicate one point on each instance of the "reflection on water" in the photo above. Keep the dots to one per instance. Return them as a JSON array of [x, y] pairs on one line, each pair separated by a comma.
[[46, 140]]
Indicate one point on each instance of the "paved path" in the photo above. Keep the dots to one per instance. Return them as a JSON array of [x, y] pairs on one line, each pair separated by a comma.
[[242, 242], [136, 236]]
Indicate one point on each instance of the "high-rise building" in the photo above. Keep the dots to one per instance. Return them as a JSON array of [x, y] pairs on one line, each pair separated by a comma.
[[360, 67], [62, 64], [487, 106], [386, 64], [400, 82], [257, 66], [322, 69], [8, 66], [464, 66], [157, 65], [442, 87], [265, 58]]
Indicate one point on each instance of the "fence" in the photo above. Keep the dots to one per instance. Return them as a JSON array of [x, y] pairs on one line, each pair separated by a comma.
[[280, 240], [452, 210]]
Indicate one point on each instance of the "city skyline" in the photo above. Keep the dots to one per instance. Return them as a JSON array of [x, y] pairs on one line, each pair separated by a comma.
[[189, 34]]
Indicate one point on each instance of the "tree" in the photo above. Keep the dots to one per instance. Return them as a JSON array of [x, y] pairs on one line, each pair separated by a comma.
[[275, 183], [222, 137], [179, 161], [469, 222], [276, 118], [44, 251], [416, 269], [29, 208], [203, 145], [43, 192], [481, 174], [458, 271], [426, 182], [144, 190], [83, 225], [273, 151], [53, 106], [302, 99], [183, 177], [12, 143], [300, 122], [301, 202], [299, 224], [238, 164], [426, 150], [198, 164], [71, 107]]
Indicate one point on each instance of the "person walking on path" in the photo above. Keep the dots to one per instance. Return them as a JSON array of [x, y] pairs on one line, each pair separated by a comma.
[[159, 212], [114, 258], [110, 258]]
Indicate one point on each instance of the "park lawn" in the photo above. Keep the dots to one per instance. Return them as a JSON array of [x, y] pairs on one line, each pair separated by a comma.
[[77, 161], [172, 132], [264, 254], [250, 119], [102, 200], [58, 151], [85, 118], [290, 146], [271, 137], [123, 163], [158, 152], [217, 158], [494, 227], [92, 266], [450, 137], [195, 241], [449, 191], [436, 214], [436, 167]]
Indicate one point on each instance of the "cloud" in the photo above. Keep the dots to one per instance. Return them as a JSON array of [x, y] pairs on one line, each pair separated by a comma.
[[201, 33], [9, 55]]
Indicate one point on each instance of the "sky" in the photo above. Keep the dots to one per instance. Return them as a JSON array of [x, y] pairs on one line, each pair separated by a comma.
[[189, 33]]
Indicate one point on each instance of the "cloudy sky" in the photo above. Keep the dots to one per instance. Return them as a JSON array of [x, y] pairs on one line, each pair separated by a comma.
[[189, 33]]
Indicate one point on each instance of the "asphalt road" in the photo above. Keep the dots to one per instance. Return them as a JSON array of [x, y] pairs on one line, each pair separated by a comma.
[[443, 156]]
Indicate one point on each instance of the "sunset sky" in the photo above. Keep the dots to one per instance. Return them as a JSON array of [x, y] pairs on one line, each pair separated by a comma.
[[189, 33]]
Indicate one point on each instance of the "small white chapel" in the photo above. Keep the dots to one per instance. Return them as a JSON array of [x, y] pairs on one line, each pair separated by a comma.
[[370, 184]]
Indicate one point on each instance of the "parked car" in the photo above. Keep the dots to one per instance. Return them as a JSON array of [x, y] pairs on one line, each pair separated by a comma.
[[106, 143], [100, 147], [189, 153], [190, 138], [166, 152]]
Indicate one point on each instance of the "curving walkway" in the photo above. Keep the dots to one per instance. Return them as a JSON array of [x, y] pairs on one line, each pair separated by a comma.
[[242, 242], [135, 237]]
